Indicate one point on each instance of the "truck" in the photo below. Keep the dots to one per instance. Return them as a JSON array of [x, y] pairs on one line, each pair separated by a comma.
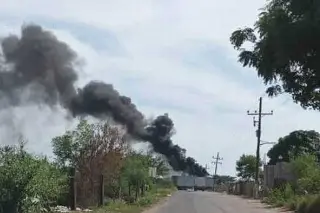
[[184, 182], [209, 183], [200, 183]]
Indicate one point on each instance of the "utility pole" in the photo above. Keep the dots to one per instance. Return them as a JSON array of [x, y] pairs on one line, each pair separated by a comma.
[[258, 133], [217, 160]]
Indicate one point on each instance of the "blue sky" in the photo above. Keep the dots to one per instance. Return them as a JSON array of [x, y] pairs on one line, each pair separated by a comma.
[[169, 57]]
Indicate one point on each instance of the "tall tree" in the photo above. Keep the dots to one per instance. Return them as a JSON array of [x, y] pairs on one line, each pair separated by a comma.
[[297, 143], [135, 172], [93, 150], [246, 166], [286, 49]]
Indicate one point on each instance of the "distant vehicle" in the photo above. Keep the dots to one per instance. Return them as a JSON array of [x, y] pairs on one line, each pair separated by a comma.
[[184, 182], [200, 183], [209, 183], [193, 183]]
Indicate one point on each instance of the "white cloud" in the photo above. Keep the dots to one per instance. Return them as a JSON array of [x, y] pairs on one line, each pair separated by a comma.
[[206, 104]]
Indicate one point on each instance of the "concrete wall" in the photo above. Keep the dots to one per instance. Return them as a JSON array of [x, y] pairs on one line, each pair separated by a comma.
[[274, 173], [244, 188], [268, 174], [283, 171]]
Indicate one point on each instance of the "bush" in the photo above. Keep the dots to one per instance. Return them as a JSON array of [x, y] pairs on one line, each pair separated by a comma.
[[307, 170], [293, 196], [145, 201], [164, 183], [129, 199], [28, 183], [281, 196], [292, 203], [313, 206], [302, 205]]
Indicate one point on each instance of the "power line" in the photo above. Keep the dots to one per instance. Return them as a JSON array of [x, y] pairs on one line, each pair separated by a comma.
[[258, 133]]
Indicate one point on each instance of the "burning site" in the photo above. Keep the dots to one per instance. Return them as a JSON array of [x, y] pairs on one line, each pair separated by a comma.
[[37, 60]]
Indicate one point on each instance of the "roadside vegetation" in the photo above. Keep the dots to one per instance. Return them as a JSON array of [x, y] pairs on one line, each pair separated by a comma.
[[302, 192], [246, 167], [283, 48], [151, 197], [32, 184], [301, 195]]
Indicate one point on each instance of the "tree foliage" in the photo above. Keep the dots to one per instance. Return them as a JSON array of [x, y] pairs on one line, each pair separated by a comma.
[[28, 183], [285, 49], [295, 144], [93, 150], [136, 173], [161, 166], [89, 146], [245, 166], [307, 171], [158, 162]]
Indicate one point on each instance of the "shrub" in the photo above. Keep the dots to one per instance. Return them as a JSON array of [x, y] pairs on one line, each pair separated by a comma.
[[129, 199], [292, 203], [302, 205], [313, 206], [144, 201], [28, 183], [307, 171], [164, 183]]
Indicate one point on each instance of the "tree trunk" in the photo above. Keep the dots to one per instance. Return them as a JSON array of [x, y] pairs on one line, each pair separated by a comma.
[[120, 192], [137, 191]]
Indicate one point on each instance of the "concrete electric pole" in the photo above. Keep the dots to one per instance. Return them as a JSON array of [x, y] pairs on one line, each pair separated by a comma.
[[216, 160], [258, 132]]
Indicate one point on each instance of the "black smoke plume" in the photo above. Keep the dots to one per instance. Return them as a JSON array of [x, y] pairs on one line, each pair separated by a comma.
[[41, 64]]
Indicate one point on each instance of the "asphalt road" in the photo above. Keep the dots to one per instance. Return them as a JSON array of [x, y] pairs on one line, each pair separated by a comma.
[[209, 202]]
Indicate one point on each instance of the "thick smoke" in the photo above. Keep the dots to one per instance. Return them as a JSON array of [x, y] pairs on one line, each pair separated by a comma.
[[40, 63]]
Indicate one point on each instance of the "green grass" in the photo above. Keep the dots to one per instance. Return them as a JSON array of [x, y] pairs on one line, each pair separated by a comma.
[[298, 203], [152, 197]]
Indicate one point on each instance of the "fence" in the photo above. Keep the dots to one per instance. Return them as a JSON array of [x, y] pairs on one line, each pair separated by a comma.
[[85, 191], [244, 188], [274, 176]]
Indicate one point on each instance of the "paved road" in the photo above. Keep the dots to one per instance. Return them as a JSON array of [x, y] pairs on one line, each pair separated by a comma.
[[208, 202]]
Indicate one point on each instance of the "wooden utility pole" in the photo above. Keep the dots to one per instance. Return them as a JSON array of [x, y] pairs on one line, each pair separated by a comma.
[[258, 132]]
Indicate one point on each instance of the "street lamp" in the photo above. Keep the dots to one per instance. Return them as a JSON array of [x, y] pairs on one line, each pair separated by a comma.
[[266, 142]]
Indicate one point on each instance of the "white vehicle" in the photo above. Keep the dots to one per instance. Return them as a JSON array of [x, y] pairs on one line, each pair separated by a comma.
[[190, 190]]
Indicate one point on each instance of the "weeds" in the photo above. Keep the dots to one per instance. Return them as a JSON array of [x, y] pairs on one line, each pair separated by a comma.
[[152, 197], [293, 195]]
